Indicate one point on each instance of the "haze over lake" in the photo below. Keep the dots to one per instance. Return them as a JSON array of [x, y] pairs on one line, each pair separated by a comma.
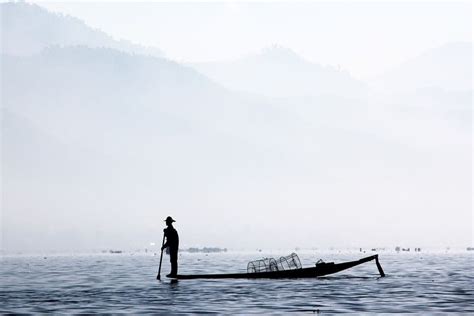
[[276, 130], [314, 157]]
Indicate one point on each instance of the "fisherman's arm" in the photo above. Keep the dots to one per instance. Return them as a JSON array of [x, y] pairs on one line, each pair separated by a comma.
[[165, 245]]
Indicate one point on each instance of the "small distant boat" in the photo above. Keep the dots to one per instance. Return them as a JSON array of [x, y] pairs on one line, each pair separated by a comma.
[[277, 272]]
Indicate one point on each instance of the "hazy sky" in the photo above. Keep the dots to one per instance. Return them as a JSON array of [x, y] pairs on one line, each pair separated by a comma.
[[364, 38], [121, 141]]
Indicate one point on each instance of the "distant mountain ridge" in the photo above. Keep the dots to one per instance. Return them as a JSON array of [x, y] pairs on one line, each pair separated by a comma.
[[27, 29], [280, 72], [448, 67]]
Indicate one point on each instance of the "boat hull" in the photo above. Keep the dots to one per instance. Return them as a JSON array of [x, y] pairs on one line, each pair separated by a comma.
[[313, 272]]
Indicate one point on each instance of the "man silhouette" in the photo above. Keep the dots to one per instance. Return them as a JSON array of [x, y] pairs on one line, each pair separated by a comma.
[[172, 242]]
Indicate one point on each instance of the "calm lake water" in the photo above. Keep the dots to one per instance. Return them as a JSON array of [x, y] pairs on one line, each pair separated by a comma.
[[118, 283]]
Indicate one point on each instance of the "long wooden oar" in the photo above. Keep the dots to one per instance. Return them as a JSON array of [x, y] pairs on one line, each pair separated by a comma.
[[161, 257]]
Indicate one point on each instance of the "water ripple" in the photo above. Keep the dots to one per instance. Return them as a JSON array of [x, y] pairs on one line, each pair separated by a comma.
[[421, 283]]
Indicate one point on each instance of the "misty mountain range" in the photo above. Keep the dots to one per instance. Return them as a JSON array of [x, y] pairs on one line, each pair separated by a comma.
[[274, 71], [98, 135], [446, 67], [28, 29]]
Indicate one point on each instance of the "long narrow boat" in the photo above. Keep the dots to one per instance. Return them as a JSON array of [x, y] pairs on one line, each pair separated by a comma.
[[313, 272]]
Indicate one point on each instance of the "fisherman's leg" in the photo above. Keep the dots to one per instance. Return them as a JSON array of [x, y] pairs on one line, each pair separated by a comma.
[[174, 262]]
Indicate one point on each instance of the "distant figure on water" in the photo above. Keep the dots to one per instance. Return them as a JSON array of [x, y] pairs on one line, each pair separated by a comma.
[[172, 243]]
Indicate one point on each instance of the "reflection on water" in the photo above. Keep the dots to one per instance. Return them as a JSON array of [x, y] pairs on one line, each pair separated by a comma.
[[415, 282]]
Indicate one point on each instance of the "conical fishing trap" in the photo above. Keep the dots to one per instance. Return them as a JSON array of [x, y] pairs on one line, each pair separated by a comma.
[[290, 262]]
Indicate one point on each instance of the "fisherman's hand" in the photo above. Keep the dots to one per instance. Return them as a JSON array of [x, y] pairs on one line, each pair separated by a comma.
[[163, 248]]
